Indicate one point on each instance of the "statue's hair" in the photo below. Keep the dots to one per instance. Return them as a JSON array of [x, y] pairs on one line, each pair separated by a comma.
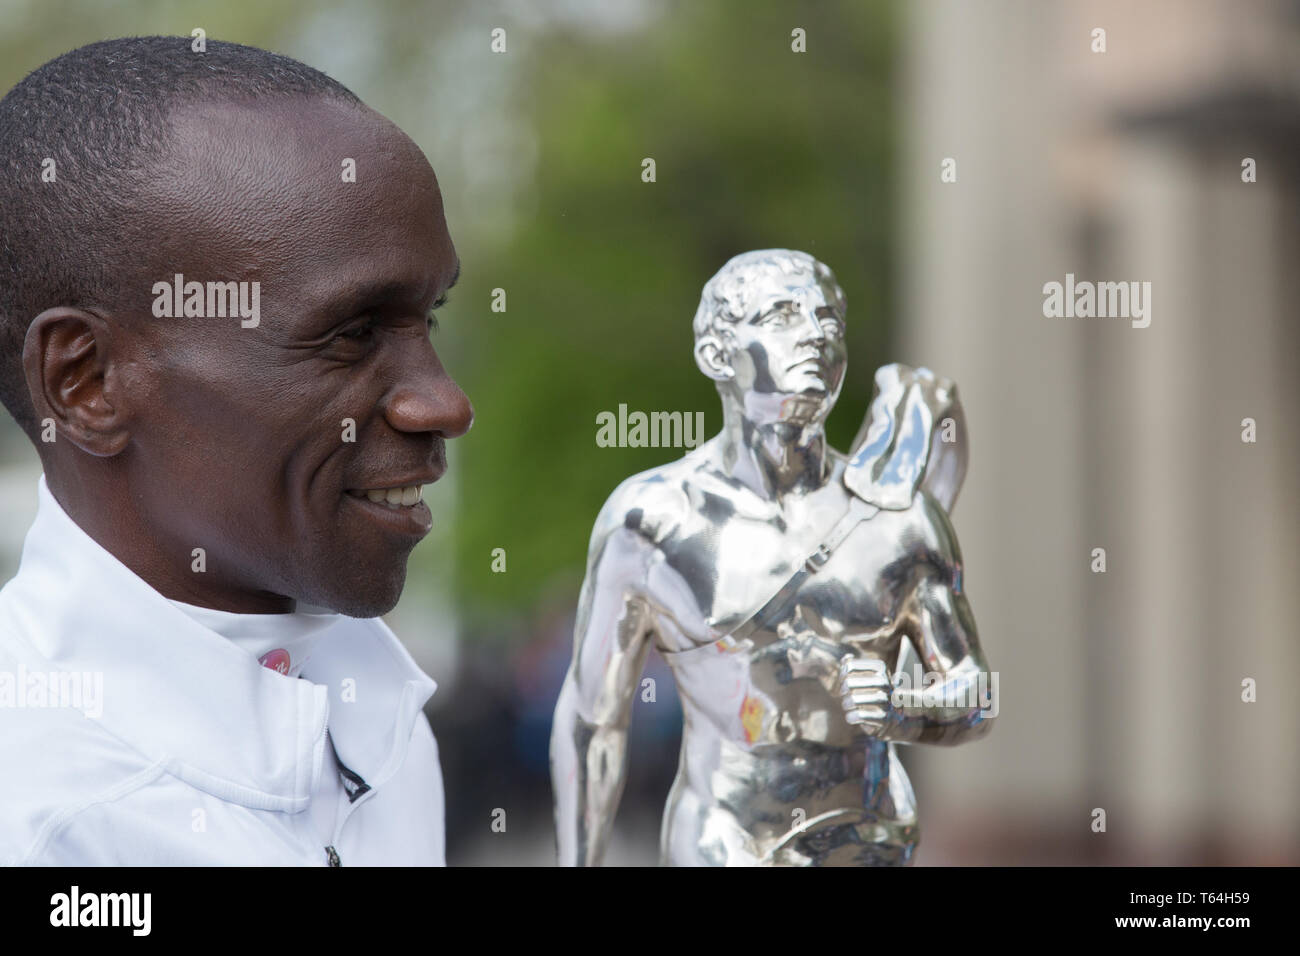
[[103, 113], [731, 295]]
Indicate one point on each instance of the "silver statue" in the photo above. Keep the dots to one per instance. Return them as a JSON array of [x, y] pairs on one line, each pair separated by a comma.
[[796, 594]]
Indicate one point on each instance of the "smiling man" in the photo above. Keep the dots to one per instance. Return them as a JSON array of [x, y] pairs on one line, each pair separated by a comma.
[[192, 670]]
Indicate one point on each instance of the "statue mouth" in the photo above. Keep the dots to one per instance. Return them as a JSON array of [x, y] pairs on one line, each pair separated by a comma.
[[814, 361]]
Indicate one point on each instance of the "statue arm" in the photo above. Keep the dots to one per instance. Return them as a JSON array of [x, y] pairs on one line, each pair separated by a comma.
[[941, 627], [589, 733], [936, 617]]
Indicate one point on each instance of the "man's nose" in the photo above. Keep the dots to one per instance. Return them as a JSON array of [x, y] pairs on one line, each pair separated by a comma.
[[438, 406]]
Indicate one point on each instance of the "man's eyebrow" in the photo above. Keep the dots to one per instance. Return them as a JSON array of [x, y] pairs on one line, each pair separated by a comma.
[[372, 292]]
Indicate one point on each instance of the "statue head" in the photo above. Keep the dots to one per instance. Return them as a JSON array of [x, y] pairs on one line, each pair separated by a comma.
[[770, 332]]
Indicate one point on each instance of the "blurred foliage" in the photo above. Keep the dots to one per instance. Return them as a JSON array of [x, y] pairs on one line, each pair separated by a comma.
[[755, 147]]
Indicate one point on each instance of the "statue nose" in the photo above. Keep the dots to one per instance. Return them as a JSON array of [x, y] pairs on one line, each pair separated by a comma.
[[811, 320]]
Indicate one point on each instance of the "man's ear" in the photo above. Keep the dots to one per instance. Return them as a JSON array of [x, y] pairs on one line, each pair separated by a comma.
[[69, 365], [712, 358]]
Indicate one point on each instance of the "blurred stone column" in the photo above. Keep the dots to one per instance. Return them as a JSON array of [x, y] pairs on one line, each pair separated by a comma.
[[976, 254], [1119, 690]]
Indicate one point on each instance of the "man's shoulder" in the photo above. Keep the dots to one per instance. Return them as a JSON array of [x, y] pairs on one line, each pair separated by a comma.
[[58, 760], [58, 765]]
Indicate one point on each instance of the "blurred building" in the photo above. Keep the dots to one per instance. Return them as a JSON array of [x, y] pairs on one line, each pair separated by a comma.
[[1120, 690]]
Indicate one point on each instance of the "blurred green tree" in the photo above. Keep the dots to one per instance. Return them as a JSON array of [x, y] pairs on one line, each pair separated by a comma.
[[755, 146]]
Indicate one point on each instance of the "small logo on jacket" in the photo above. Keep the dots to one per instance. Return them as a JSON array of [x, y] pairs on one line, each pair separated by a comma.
[[103, 909], [277, 660]]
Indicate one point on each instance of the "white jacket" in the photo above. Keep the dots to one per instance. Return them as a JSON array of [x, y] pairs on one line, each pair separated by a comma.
[[190, 752]]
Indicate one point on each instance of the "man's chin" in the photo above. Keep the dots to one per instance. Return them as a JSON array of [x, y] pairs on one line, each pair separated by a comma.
[[364, 599]]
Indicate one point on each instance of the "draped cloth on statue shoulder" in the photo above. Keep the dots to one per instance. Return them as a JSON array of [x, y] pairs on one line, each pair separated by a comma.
[[899, 448]]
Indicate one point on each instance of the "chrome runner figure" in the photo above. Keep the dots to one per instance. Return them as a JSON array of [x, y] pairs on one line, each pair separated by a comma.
[[804, 600]]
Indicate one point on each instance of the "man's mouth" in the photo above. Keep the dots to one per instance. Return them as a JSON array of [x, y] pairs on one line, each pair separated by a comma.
[[397, 509], [402, 496]]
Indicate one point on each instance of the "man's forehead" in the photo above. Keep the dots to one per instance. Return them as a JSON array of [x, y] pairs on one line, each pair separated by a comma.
[[289, 153], [267, 188], [300, 126]]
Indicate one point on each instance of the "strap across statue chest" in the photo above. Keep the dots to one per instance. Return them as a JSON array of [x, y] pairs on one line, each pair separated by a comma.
[[761, 626]]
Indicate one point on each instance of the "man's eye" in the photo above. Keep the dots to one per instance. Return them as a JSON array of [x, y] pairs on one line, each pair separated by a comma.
[[431, 320], [358, 333]]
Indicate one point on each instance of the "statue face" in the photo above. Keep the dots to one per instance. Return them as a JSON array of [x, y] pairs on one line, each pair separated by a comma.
[[788, 354]]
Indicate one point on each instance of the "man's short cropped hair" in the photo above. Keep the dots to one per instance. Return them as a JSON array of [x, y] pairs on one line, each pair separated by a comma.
[[81, 139]]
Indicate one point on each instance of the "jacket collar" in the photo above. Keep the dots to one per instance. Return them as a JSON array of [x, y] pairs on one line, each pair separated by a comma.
[[178, 692]]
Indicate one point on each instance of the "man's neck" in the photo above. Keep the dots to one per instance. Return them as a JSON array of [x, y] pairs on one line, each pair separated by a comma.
[[773, 459], [167, 568]]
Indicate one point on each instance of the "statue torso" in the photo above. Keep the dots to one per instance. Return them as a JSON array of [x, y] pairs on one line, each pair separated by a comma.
[[765, 744]]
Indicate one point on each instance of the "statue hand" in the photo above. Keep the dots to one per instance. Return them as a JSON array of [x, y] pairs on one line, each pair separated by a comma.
[[865, 688]]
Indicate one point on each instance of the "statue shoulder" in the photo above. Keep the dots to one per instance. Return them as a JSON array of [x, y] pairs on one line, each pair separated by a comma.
[[925, 522], [655, 503]]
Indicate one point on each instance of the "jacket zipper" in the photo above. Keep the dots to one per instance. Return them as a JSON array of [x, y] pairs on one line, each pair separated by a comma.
[[331, 854]]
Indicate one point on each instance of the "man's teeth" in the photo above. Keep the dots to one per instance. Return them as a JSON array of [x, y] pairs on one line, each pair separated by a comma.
[[396, 497]]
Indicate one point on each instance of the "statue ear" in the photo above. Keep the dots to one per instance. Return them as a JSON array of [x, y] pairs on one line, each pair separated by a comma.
[[711, 356]]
